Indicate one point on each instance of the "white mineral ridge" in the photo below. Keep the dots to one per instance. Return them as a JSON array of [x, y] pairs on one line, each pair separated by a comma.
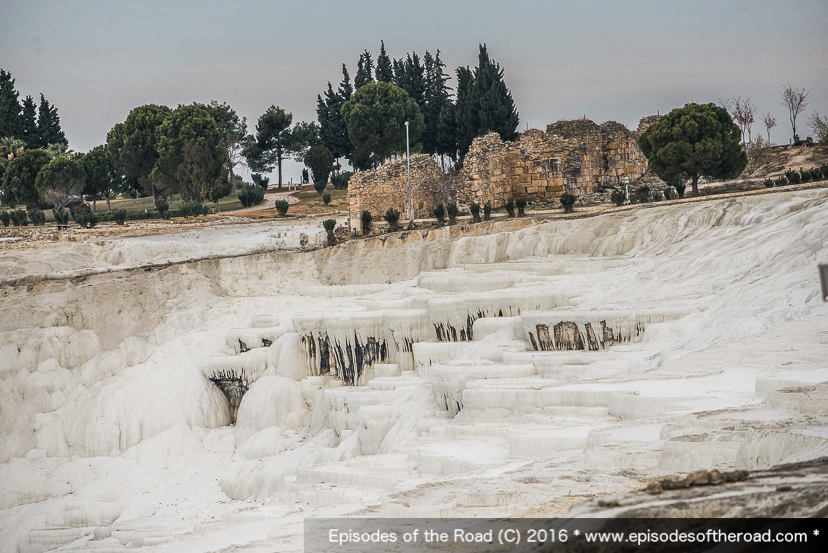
[[112, 437]]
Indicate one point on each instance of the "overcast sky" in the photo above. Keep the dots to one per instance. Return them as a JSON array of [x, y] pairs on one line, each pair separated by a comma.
[[95, 60]]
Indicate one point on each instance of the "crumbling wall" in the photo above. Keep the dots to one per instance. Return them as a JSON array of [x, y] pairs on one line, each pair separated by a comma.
[[575, 156], [387, 187]]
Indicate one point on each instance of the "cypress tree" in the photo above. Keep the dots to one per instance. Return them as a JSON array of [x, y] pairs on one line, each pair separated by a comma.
[[435, 99], [465, 112], [399, 72], [484, 104], [10, 124], [28, 120], [345, 89], [495, 107], [384, 72], [333, 133], [447, 132], [48, 124], [414, 79], [365, 68]]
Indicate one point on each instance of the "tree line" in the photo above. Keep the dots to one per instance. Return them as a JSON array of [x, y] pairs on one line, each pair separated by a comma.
[[442, 122], [36, 126]]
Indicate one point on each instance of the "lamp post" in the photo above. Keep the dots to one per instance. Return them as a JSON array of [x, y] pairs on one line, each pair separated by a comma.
[[408, 170]]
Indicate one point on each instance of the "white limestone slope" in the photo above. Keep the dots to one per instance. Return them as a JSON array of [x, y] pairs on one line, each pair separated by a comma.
[[418, 384]]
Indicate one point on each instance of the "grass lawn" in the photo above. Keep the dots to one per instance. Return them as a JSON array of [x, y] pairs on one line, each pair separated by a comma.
[[310, 203], [229, 203], [136, 208]]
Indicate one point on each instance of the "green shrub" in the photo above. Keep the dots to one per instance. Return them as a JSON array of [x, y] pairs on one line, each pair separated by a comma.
[[260, 181], [804, 176], [452, 211], [824, 170], [340, 180], [329, 226], [61, 216], [251, 195], [793, 176], [103, 217], [568, 202], [320, 186], [670, 193], [768, 183], [440, 213], [815, 173], [656, 196], [392, 217], [84, 216], [5, 217], [282, 207], [487, 211], [510, 207], [37, 217], [326, 198], [707, 191], [680, 188], [642, 195], [618, 197], [18, 218], [192, 209], [120, 216], [366, 222], [781, 181], [520, 204], [475, 211], [163, 207]]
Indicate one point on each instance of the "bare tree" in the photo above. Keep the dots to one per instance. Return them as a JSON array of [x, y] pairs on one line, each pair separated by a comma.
[[758, 154], [770, 122], [446, 187], [819, 125], [743, 113], [410, 187], [794, 100], [750, 116]]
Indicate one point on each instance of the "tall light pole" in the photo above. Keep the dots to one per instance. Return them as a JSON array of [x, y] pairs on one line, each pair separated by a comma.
[[408, 163]]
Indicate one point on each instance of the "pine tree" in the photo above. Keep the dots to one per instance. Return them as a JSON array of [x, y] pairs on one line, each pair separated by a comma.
[[365, 68], [10, 124], [28, 120], [48, 124], [384, 72], [495, 107]]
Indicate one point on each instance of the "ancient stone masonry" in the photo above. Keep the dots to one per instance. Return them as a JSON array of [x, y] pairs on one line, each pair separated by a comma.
[[387, 188], [575, 156]]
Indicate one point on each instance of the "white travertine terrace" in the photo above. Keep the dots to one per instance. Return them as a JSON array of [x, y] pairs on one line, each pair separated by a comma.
[[403, 376]]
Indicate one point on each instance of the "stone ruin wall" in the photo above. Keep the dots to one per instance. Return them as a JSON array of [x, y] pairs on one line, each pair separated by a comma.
[[385, 188], [575, 156]]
